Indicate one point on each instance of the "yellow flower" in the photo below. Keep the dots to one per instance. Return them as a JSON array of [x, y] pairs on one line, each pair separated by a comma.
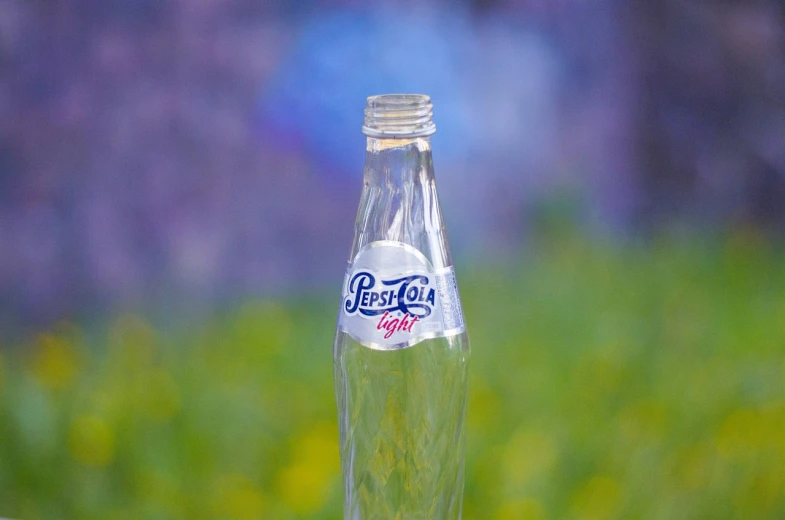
[[484, 406], [747, 433], [318, 447], [304, 485], [597, 499], [55, 362], [528, 454], [303, 488], [91, 441], [741, 434], [236, 497]]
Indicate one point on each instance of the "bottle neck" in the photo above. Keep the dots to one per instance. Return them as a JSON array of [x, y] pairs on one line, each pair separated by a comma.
[[399, 201], [392, 163]]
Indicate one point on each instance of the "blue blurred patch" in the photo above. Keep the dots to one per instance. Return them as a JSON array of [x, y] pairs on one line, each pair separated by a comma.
[[342, 57]]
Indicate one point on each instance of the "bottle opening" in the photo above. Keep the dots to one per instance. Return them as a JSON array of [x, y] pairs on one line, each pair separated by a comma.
[[398, 116]]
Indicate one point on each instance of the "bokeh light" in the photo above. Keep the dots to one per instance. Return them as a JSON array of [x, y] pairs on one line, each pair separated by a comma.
[[178, 186]]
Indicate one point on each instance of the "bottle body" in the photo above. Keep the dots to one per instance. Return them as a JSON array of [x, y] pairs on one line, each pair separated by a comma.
[[402, 428], [401, 351]]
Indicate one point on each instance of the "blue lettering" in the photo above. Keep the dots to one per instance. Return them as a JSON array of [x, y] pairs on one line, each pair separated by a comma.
[[357, 285], [408, 295]]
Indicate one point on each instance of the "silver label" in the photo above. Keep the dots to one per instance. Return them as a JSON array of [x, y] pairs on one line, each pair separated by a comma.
[[393, 298]]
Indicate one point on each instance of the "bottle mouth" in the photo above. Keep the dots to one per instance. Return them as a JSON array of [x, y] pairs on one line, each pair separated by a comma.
[[391, 116]]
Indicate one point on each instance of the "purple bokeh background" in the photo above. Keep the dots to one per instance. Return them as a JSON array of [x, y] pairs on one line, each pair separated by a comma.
[[186, 154]]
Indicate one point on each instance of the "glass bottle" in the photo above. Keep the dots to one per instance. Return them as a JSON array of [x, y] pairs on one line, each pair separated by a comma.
[[401, 348]]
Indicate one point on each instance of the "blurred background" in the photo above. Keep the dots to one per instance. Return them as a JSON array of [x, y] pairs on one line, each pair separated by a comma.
[[178, 184]]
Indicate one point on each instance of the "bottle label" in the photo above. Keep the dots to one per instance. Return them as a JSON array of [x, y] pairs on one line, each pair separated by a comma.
[[393, 298]]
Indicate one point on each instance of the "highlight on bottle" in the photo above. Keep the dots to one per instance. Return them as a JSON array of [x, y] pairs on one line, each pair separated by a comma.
[[396, 116]]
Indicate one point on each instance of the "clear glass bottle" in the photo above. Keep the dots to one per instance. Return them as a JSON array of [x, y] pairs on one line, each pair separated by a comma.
[[401, 349]]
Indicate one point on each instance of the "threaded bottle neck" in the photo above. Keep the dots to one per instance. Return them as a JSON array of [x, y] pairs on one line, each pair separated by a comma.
[[393, 116]]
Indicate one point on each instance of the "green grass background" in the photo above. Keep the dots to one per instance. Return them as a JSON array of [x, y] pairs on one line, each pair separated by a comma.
[[607, 382]]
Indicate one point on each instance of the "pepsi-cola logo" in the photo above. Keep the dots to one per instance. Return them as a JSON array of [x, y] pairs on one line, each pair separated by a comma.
[[394, 298], [369, 295]]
